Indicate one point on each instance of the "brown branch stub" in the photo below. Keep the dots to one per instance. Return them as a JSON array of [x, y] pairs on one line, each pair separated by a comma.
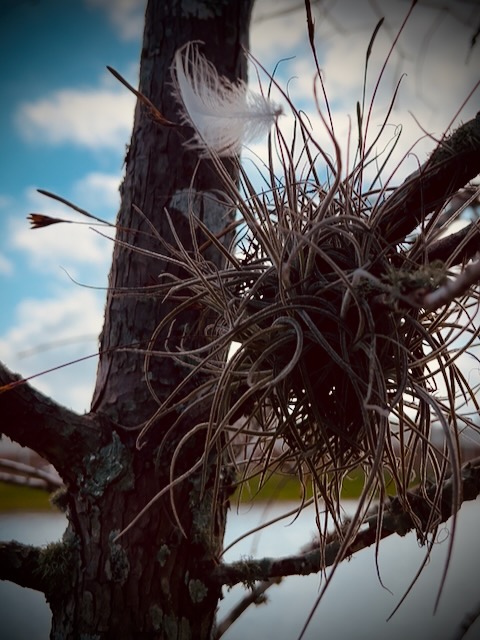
[[451, 166], [395, 520], [59, 435], [20, 563], [152, 109]]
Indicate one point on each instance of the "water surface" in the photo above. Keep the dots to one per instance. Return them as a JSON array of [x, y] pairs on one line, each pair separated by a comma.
[[356, 604]]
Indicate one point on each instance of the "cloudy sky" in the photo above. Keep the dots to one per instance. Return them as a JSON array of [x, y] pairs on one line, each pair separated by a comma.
[[64, 124]]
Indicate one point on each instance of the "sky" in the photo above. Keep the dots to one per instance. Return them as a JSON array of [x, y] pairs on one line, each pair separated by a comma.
[[65, 123]]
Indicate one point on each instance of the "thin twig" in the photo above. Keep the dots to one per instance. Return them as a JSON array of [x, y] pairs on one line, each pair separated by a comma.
[[255, 596], [453, 288], [468, 621]]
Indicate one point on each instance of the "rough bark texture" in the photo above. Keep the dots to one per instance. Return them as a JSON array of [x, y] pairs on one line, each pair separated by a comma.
[[153, 582], [159, 172]]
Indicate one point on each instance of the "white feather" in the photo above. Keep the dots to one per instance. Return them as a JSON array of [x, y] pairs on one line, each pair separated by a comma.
[[224, 115]]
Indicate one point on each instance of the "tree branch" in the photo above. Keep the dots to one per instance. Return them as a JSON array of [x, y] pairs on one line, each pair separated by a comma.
[[468, 621], [20, 563], [59, 435], [26, 475], [453, 288], [395, 520], [255, 596], [451, 166], [445, 248]]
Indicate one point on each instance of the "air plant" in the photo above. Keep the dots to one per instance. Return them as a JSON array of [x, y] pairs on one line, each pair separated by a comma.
[[340, 353]]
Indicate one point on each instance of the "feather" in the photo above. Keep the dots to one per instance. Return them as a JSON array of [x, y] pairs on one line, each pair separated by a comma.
[[224, 115]]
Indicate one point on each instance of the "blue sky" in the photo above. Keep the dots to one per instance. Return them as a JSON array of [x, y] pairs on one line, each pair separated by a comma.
[[48, 47], [64, 124], [65, 121], [51, 54]]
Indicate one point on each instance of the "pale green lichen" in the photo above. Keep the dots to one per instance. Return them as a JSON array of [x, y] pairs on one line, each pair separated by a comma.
[[110, 463], [162, 554], [60, 498], [156, 615], [198, 591], [117, 566], [200, 503], [465, 139], [251, 569], [205, 205], [168, 624]]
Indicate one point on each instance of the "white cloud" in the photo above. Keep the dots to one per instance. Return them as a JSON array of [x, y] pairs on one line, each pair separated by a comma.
[[276, 31], [126, 16], [70, 246], [98, 192], [50, 332], [92, 118], [431, 54]]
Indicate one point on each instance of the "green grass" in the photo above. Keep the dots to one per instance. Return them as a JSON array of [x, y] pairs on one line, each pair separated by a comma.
[[15, 498], [278, 487]]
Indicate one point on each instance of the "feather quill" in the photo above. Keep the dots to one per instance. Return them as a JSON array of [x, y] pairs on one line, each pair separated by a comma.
[[223, 114]]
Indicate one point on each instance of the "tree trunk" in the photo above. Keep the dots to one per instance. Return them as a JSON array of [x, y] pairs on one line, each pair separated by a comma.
[[159, 174], [153, 582]]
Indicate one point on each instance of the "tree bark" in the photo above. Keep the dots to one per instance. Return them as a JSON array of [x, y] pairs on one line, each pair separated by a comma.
[[159, 174], [155, 581]]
